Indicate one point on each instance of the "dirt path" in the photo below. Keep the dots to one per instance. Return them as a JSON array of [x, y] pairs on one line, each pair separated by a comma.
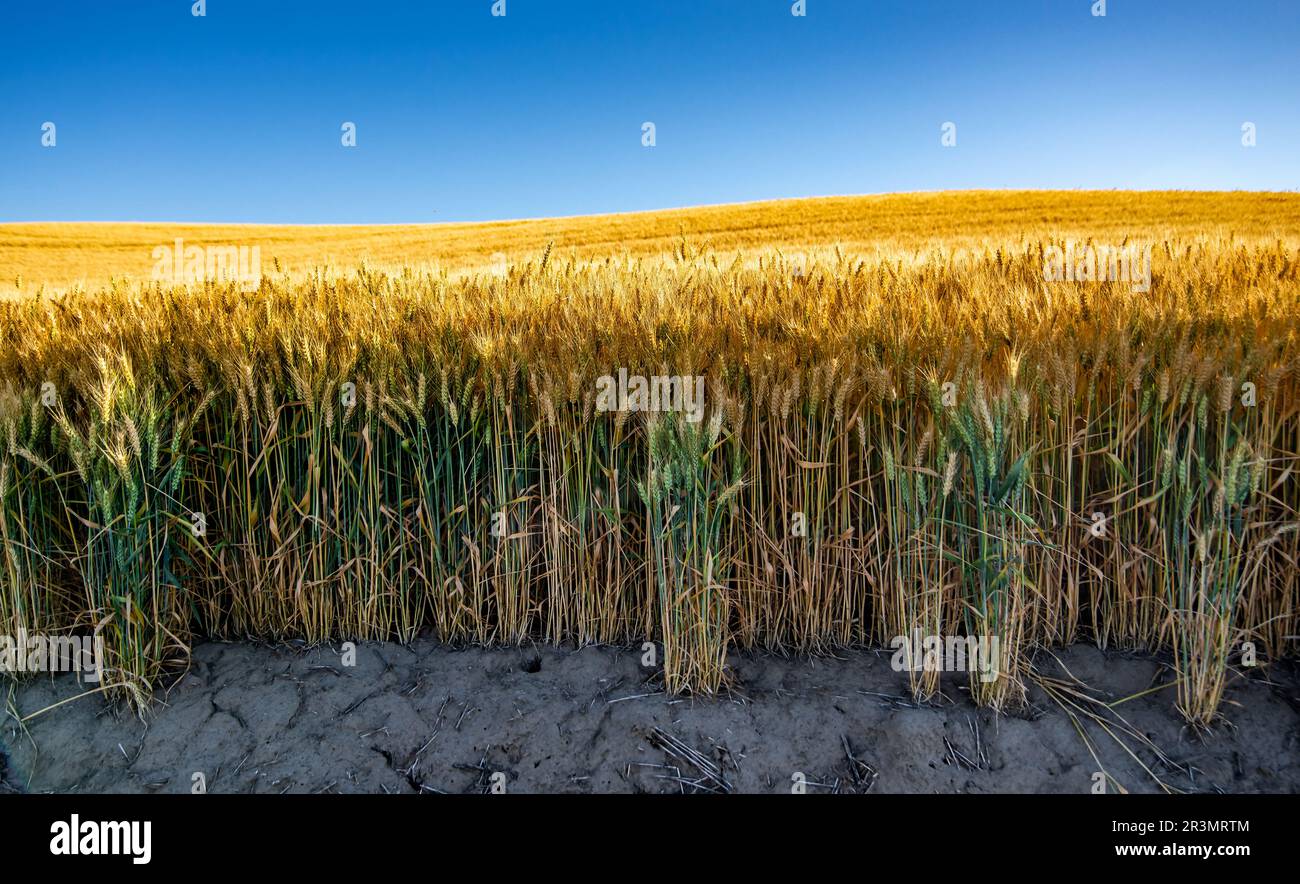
[[428, 718]]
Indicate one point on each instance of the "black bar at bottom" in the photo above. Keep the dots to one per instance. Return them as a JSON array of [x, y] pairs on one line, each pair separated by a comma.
[[331, 834]]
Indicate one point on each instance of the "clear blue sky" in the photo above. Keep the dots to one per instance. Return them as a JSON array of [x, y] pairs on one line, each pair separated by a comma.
[[236, 116]]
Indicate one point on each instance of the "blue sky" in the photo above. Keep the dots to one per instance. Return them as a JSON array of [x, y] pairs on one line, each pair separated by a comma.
[[235, 116]]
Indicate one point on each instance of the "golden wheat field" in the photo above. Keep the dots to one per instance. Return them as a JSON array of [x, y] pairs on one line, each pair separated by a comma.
[[1028, 418], [61, 256]]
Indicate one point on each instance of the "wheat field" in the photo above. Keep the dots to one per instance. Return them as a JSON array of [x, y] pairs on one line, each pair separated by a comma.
[[67, 255], [908, 425]]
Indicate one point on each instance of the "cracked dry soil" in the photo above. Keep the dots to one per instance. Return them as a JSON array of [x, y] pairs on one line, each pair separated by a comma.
[[429, 718]]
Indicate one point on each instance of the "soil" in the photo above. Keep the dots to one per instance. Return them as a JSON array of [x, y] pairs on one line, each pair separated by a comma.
[[429, 718]]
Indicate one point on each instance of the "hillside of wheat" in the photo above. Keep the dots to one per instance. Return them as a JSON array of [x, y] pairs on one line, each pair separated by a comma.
[[1026, 417], [64, 255]]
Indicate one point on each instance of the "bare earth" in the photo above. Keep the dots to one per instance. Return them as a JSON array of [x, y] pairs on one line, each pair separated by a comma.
[[429, 718]]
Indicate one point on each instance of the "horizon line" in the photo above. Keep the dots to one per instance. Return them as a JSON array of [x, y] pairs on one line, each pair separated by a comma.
[[666, 209]]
